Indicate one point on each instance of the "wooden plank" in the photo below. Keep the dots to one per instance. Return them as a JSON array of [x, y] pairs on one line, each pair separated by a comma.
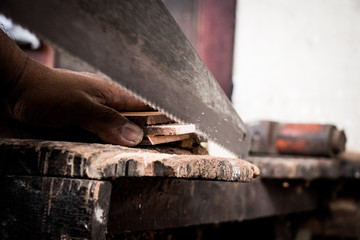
[[53, 208], [169, 129], [154, 203], [99, 161], [147, 117], [297, 167], [155, 140]]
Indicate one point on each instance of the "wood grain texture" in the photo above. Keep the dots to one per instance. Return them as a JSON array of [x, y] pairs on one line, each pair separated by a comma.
[[102, 161], [153, 203], [147, 118], [169, 129], [53, 208], [155, 140]]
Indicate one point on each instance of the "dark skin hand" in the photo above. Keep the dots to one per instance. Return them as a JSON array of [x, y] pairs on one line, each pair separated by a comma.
[[36, 94]]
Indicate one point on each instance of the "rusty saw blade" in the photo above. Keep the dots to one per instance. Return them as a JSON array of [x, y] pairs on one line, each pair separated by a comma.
[[139, 45]]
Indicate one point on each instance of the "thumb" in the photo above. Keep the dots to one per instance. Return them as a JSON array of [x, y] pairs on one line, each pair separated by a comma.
[[110, 125]]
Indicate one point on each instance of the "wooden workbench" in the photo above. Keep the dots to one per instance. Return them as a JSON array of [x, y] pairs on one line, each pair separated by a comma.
[[67, 190]]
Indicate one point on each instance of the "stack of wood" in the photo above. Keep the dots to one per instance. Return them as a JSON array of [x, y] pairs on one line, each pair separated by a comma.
[[159, 129]]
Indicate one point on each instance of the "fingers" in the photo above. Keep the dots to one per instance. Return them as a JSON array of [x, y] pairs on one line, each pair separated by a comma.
[[62, 97], [112, 94], [124, 101], [109, 125], [104, 120]]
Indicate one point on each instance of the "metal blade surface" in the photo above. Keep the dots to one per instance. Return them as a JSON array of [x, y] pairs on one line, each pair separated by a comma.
[[139, 45]]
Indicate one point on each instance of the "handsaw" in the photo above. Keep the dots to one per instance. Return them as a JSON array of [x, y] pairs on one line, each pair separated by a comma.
[[139, 45]]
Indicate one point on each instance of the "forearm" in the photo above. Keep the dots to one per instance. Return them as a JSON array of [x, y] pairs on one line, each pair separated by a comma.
[[12, 64]]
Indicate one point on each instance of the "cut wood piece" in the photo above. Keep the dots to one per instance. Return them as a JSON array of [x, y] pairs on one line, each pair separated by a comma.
[[147, 118], [155, 140], [169, 129]]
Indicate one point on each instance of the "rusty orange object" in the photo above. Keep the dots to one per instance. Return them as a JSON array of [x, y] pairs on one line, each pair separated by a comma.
[[309, 139], [297, 138]]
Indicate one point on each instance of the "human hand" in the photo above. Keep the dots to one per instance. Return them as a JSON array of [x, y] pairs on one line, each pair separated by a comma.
[[50, 97]]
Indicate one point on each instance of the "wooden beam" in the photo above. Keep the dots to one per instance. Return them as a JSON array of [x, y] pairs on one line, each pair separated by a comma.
[[53, 208], [152, 203]]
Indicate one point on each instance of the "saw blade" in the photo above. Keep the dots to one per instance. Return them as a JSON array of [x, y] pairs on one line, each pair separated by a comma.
[[139, 45]]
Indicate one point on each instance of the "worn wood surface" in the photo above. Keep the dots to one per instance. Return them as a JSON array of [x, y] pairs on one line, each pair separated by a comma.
[[153, 203], [346, 165], [341, 222], [53, 208], [336, 216], [140, 203], [340, 215], [102, 161]]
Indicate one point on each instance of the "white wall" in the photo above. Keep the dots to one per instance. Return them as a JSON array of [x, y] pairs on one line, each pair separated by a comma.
[[299, 61]]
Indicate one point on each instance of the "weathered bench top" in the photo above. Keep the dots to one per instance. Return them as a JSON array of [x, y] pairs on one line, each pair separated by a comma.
[[104, 161], [346, 165]]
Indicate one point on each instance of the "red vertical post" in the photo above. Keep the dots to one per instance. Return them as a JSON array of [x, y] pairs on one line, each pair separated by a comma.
[[215, 40]]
